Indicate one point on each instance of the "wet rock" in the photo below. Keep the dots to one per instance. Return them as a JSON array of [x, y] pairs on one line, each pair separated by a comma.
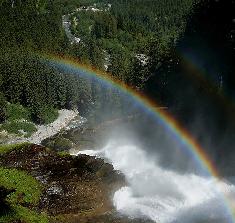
[[105, 170], [95, 164], [79, 187], [41, 178], [55, 189]]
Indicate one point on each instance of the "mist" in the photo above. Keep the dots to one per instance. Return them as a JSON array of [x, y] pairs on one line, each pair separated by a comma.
[[165, 183], [161, 194]]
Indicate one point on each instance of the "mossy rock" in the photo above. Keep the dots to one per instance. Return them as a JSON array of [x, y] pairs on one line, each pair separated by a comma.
[[59, 144], [105, 170]]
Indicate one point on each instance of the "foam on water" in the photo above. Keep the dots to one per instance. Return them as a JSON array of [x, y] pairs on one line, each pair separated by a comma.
[[164, 195]]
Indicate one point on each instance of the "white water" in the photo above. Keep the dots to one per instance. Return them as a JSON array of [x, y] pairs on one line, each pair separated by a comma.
[[162, 195]]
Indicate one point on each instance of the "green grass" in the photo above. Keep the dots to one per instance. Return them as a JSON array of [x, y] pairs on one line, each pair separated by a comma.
[[18, 113], [24, 215], [27, 188], [27, 191], [8, 148], [16, 127], [18, 120]]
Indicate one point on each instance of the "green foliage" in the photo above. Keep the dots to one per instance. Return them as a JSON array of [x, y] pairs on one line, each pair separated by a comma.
[[28, 189], [128, 28], [105, 26], [8, 148], [60, 144], [63, 153], [112, 36], [17, 112], [3, 108], [31, 24], [27, 27], [30, 81], [26, 192], [23, 214], [67, 6], [18, 120], [46, 114], [19, 128]]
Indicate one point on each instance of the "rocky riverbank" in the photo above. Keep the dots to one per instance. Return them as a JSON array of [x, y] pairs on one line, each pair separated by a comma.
[[46, 131]]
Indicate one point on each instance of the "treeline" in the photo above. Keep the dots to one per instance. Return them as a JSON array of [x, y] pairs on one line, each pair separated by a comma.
[[30, 81], [28, 27]]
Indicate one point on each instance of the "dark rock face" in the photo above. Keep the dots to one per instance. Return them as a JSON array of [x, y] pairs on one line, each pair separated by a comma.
[[77, 189]]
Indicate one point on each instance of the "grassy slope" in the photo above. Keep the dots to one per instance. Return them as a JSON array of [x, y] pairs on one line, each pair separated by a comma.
[[26, 192]]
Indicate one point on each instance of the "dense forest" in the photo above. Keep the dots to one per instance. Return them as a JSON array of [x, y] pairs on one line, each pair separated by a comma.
[[129, 39], [28, 27]]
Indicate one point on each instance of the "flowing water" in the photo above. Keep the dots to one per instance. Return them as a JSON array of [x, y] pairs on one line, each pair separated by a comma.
[[164, 195]]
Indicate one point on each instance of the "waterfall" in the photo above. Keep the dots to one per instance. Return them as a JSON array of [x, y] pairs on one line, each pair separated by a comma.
[[164, 195]]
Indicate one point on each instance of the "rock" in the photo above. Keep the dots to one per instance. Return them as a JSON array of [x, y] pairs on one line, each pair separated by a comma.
[[94, 164], [72, 185], [55, 189], [77, 189], [105, 170]]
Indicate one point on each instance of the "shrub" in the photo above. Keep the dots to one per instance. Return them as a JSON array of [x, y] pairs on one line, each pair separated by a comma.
[[23, 184], [19, 128], [17, 112], [25, 215], [63, 154], [45, 114]]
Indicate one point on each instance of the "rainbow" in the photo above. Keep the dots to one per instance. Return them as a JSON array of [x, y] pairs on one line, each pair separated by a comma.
[[162, 116]]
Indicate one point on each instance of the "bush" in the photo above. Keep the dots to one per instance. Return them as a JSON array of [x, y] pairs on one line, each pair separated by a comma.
[[27, 189], [63, 154], [19, 128], [24, 214], [45, 115], [17, 112]]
